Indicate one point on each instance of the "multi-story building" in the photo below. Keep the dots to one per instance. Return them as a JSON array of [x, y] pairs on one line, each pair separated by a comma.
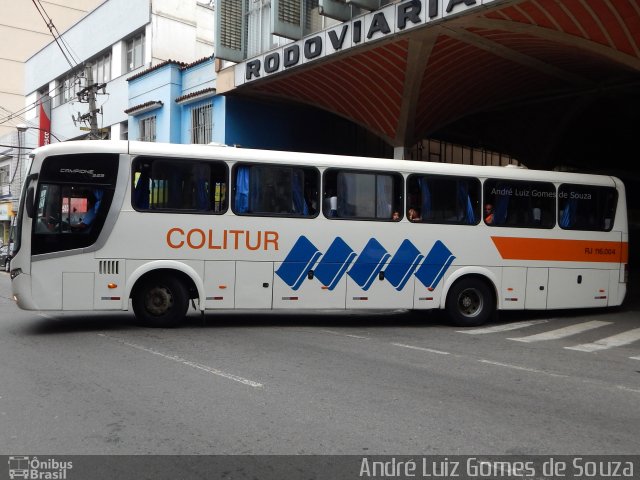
[[114, 42]]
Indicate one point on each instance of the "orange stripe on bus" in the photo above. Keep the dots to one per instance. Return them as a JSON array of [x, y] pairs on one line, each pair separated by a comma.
[[552, 249]]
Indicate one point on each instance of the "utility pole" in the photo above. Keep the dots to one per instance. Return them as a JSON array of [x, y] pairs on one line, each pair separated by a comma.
[[88, 95], [91, 95]]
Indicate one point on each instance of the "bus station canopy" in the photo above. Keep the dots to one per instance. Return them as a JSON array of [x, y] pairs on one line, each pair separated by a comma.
[[523, 76]]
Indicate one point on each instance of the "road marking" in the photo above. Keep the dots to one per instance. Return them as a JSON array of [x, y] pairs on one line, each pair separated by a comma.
[[634, 358], [624, 338], [628, 389], [189, 363], [502, 328], [344, 334], [525, 369], [562, 332], [422, 349]]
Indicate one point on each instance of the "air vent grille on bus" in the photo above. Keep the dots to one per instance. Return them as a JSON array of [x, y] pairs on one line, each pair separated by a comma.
[[109, 267]]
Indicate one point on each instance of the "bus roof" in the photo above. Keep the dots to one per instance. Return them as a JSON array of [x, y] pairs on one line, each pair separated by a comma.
[[317, 160]]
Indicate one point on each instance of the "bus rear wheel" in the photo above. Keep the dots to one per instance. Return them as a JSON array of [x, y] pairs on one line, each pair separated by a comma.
[[160, 301], [470, 302]]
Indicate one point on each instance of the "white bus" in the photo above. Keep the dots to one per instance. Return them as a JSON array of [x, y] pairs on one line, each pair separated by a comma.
[[105, 225]]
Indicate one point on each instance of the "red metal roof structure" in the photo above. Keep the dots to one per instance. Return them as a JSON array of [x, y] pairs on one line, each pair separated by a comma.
[[525, 68]]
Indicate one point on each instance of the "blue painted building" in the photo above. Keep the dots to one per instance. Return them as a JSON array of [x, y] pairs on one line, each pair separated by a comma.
[[163, 98], [177, 103]]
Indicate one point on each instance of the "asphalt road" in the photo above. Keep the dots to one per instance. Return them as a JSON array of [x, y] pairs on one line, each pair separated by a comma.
[[333, 383]]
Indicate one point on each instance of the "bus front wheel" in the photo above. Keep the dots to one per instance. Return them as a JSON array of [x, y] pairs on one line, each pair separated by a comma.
[[160, 301], [470, 302]]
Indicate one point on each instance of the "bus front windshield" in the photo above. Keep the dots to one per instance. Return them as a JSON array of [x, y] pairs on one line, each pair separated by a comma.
[[72, 199]]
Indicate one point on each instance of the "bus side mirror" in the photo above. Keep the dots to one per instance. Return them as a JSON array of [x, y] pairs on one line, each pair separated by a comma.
[[30, 202]]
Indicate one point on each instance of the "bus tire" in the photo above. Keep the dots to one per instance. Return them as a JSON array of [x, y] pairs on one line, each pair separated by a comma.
[[160, 301], [470, 302]]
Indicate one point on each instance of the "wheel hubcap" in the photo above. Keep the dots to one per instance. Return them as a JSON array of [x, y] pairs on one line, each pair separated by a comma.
[[158, 301], [470, 302]]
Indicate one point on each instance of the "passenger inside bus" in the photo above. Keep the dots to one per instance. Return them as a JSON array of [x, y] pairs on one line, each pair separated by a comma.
[[87, 219], [488, 213], [414, 215]]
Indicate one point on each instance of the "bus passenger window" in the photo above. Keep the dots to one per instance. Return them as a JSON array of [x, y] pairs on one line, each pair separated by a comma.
[[586, 207], [363, 194], [518, 203], [275, 190], [443, 199], [165, 184]]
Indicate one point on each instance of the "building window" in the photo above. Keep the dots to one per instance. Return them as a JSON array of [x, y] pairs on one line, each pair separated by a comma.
[[4, 174], [101, 69], [148, 129], [135, 52], [68, 87], [124, 131], [201, 124]]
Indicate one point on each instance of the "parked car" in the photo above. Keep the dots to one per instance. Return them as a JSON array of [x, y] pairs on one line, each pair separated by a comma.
[[5, 258]]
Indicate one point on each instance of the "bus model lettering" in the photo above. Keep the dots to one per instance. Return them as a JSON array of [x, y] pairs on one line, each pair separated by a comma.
[[83, 172], [75, 170], [197, 239]]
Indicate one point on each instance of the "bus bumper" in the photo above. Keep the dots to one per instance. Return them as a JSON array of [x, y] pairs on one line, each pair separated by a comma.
[[21, 287]]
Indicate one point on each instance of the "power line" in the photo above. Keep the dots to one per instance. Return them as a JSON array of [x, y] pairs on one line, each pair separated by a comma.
[[85, 95], [15, 148], [22, 111], [52, 28], [66, 52], [35, 104], [30, 124]]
